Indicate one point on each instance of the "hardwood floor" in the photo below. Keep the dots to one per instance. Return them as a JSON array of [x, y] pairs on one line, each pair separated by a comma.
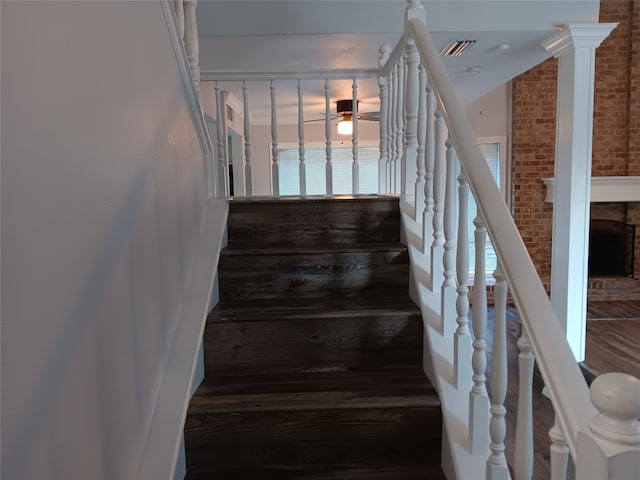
[[613, 344], [613, 337]]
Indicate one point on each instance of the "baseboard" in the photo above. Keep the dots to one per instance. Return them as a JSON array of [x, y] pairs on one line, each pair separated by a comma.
[[161, 452]]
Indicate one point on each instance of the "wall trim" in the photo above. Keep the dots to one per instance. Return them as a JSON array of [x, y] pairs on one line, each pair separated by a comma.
[[163, 443], [193, 98], [358, 73]]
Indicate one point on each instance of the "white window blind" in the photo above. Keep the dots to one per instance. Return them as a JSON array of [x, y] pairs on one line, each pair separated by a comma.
[[491, 151], [315, 168]]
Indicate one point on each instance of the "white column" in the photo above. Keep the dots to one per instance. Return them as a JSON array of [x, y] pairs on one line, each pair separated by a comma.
[[575, 48]]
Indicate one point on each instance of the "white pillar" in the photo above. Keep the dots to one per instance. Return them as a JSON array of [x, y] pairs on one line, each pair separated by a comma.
[[575, 48]]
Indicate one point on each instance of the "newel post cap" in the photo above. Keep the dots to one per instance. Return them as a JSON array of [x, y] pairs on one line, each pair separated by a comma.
[[617, 397]]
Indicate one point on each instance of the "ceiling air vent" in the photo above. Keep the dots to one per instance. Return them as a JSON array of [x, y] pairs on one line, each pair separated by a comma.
[[455, 48]]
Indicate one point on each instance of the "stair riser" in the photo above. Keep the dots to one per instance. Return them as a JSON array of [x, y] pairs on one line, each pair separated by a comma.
[[312, 344], [315, 275], [313, 439], [313, 223]]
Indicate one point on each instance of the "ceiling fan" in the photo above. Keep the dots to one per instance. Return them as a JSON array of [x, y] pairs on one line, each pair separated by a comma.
[[344, 109]]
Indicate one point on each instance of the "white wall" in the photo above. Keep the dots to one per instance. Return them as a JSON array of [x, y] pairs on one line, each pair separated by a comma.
[[103, 196], [490, 115]]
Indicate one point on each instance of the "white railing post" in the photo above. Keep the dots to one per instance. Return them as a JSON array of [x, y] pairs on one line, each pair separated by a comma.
[[429, 162], [610, 449], [400, 125], [221, 134], [422, 133], [179, 9], [448, 290], [558, 452], [394, 127], [438, 180], [462, 337], [523, 460], [275, 174], [355, 173], [191, 41], [383, 84], [247, 142], [411, 100], [497, 468], [478, 399], [327, 134], [303, 171]]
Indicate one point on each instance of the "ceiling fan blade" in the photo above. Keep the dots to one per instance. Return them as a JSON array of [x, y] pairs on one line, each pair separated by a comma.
[[369, 116]]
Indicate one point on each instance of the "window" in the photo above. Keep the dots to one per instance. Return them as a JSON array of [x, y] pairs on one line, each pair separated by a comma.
[[494, 152], [315, 168]]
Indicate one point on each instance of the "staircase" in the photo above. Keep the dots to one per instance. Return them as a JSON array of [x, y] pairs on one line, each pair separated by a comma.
[[313, 355]]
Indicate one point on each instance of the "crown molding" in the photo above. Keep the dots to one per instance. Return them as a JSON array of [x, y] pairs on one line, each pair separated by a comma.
[[577, 35]]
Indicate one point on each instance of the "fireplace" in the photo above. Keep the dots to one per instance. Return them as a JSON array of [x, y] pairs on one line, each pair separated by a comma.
[[611, 249]]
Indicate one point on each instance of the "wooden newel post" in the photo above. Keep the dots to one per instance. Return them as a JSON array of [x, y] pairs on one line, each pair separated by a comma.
[[611, 447]]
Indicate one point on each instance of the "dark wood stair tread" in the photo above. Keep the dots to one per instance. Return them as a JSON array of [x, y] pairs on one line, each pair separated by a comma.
[[393, 387], [313, 357], [320, 307], [399, 472], [318, 249]]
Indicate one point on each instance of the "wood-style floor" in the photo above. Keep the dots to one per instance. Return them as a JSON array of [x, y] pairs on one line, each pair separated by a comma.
[[613, 345]]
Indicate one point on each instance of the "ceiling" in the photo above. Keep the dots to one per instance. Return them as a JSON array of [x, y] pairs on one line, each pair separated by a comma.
[[304, 37]]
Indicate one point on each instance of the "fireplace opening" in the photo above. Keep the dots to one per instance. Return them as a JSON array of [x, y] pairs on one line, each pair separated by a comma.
[[611, 249]]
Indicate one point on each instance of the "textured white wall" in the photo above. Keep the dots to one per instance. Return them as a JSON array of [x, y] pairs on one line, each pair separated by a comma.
[[103, 194]]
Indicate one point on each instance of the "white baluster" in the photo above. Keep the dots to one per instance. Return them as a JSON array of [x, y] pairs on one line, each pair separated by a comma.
[[497, 468], [355, 174], [462, 337], [422, 132], [222, 137], [303, 170], [393, 128], [191, 41], [449, 215], [523, 460], [383, 84], [274, 143], [438, 180], [448, 292], [247, 142], [327, 134], [479, 401], [400, 125], [559, 452], [429, 162], [411, 100], [179, 8]]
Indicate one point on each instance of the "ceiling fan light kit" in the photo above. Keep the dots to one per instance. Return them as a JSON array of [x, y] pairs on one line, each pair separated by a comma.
[[345, 127]]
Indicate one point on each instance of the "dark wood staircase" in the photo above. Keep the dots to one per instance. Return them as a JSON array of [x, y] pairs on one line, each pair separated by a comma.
[[313, 355]]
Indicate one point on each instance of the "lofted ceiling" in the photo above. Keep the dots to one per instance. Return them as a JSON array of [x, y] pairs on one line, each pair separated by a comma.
[[302, 36]]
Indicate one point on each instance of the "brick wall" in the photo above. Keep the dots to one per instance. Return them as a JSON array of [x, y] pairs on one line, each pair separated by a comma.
[[616, 139]]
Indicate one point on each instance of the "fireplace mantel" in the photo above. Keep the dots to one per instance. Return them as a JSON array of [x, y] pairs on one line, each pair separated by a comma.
[[605, 189]]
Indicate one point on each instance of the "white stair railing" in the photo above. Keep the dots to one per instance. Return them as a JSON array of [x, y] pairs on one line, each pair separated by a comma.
[[257, 85], [600, 428]]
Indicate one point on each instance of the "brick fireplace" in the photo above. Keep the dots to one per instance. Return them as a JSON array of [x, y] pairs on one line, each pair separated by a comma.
[[616, 143]]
